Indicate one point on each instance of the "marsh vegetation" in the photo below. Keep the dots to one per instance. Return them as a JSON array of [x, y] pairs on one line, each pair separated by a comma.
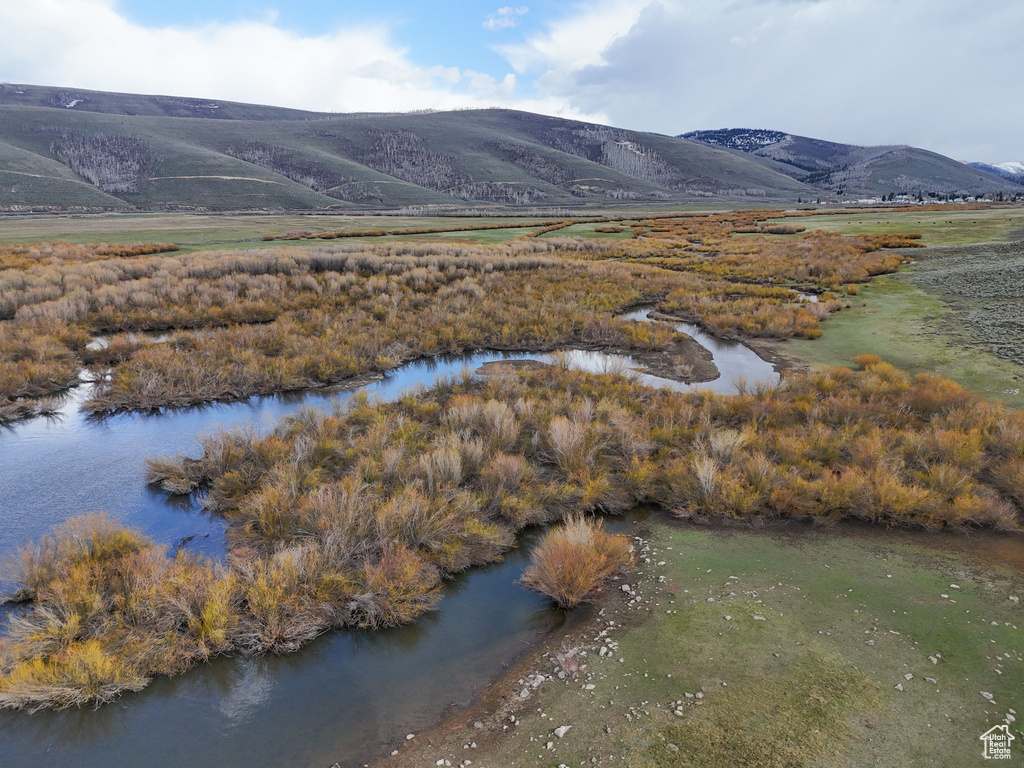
[[356, 518], [574, 561], [266, 321]]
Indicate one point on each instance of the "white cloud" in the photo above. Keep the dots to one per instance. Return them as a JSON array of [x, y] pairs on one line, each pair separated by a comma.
[[88, 44], [487, 88], [935, 73], [505, 18], [577, 40]]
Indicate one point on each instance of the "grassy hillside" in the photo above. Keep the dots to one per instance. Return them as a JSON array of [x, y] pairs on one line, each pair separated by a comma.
[[69, 149], [119, 151], [30, 180]]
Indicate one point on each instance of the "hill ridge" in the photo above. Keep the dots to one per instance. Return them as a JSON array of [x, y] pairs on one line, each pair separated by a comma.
[[71, 149], [881, 169]]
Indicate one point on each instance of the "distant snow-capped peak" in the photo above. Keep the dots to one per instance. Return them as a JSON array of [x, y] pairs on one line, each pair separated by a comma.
[[1012, 167]]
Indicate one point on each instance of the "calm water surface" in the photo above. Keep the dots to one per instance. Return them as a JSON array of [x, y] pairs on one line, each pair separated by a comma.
[[736, 362]]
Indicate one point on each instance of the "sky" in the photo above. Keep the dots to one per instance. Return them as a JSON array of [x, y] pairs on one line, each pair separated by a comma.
[[945, 75]]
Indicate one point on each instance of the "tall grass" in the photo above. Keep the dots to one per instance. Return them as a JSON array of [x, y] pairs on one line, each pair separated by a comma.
[[575, 560], [268, 321], [108, 609]]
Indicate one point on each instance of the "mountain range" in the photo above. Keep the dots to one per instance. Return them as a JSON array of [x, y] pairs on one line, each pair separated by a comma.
[[75, 150], [1014, 171], [854, 169]]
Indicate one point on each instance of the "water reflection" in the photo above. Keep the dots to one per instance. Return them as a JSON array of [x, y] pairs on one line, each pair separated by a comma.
[[137, 337], [246, 693], [85, 464], [737, 363], [345, 697]]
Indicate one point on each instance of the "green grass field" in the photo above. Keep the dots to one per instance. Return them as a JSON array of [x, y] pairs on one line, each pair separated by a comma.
[[209, 231], [587, 231], [205, 232], [194, 232], [790, 642], [895, 319], [189, 231], [947, 227], [906, 318]]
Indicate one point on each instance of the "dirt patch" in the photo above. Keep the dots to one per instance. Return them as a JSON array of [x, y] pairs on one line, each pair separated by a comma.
[[775, 352], [505, 367], [980, 284], [685, 361]]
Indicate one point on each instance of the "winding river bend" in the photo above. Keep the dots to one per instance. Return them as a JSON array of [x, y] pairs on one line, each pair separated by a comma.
[[345, 698]]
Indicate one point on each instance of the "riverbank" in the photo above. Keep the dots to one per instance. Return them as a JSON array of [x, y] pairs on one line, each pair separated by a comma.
[[786, 645], [59, 451], [285, 321], [912, 329]]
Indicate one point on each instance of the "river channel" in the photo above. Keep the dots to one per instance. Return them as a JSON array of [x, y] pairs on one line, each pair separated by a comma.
[[344, 698]]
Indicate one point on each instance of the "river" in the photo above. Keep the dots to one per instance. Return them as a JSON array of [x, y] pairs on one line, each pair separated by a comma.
[[346, 697]]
